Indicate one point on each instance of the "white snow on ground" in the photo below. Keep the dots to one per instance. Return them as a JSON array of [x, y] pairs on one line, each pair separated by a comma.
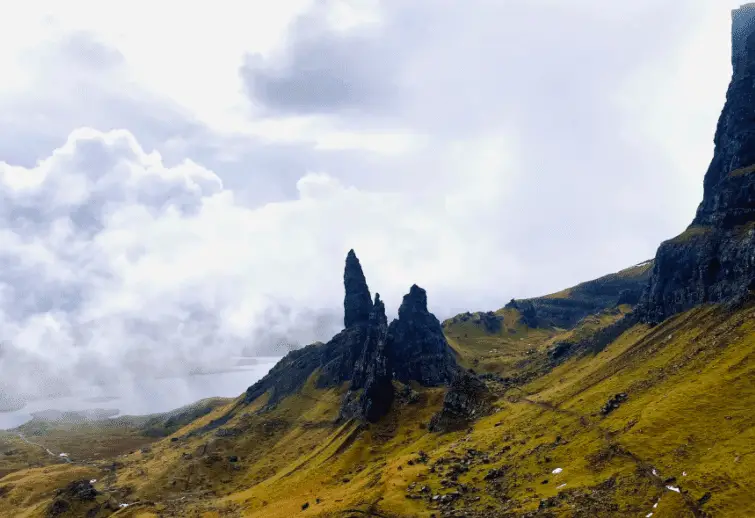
[[562, 485], [557, 471], [64, 455], [655, 472], [684, 473], [648, 515], [93, 481], [123, 505], [655, 505], [672, 488]]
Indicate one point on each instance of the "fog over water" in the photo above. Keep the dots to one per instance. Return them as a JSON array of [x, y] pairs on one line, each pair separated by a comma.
[[147, 396]]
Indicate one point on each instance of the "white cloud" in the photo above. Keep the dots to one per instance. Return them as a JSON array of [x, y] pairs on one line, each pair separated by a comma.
[[159, 268], [153, 217]]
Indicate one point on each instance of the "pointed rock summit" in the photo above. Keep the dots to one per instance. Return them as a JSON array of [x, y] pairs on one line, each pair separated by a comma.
[[356, 303], [712, 261], [368, 353], [418, 347]]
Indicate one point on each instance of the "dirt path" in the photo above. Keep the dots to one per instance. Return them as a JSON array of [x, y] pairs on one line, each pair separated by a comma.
[[27, 441]]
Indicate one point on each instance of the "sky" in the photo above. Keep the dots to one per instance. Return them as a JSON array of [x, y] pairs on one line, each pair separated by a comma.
[[180, 182]]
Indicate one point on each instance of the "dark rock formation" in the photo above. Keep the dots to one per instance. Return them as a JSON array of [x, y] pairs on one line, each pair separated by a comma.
[[613, 403], [371, 392], [67, 497], [467, 399], [567, 308], [713, 260], [368, 353], [356, 303], [418, 349]]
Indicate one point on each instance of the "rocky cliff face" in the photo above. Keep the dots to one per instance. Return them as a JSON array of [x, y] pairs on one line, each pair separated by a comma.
[[467, 399], [565, 309], [714, 259], [368, 353], [371, 391], [417, 346]]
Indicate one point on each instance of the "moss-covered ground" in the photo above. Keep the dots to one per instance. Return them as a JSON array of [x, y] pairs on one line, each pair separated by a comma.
[[686, 423]]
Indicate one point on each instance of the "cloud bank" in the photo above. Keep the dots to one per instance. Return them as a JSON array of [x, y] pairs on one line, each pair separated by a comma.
[[164, 207]]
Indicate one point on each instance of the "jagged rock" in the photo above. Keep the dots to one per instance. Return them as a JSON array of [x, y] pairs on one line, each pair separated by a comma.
[[491, 322], [79, 490], [368, 353], [65, 498], [467, 399], [416, 344], [371, 392], [588, 298], [613, 403], [713, 260], [559, 350], [357, 302]]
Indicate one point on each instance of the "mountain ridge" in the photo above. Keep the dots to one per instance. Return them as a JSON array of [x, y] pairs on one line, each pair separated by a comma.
[[628, 395]]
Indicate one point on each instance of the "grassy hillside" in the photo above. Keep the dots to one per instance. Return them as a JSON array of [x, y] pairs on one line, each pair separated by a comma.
[[551, 448], [566, 308]]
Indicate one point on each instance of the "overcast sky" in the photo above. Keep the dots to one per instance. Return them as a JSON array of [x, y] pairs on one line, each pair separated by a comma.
[[183, 180]]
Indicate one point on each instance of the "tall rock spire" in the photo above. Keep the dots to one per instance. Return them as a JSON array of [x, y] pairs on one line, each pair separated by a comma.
[[357, 303], [712, 260], [372, 373]]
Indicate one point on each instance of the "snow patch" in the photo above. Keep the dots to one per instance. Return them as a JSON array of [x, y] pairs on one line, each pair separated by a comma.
[[672, 488], [557, 471]]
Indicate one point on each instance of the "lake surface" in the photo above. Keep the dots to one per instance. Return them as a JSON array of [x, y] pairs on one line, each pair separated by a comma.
[[149, 396]]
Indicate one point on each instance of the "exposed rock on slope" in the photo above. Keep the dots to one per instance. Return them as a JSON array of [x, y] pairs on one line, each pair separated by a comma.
[[418, 348], [713, 260], [565, 309], [368, 353], [371, 392], [467, 399]]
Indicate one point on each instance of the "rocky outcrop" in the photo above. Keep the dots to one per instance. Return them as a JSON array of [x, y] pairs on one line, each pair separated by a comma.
[[371, 392], [418, 349], [69, 497], [567, 308], [357, 304], [368, 354], [467, 399], [713, 260]]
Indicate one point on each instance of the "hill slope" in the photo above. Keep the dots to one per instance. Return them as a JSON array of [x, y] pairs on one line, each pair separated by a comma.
[[626, 396], [561, 444]]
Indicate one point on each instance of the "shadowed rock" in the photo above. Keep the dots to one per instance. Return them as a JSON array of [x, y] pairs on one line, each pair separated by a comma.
[[357, 303], [712, 261], [368, 353], [419, 350], [371, 391], [467, 399]]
